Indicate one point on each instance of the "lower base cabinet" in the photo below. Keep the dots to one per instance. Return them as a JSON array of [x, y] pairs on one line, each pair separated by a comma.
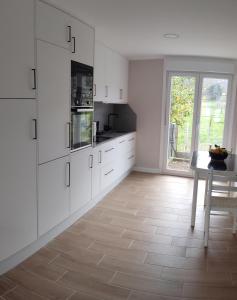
[[18, 202], [81, 178], [54, 192]]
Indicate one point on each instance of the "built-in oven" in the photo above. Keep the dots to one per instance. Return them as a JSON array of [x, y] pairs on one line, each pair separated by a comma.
[[81, 85], [81, 130]]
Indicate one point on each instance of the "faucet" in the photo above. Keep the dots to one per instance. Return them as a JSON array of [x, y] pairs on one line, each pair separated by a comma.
[[108, 127]]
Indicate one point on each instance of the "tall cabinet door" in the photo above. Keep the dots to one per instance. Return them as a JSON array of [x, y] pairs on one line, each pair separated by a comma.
[[53, 101], [17, 49], [53, 189], [18, 206], [99, 73], [81, 171]]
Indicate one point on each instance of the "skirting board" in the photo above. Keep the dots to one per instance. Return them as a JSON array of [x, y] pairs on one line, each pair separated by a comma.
[[147, 170], [23, 254]]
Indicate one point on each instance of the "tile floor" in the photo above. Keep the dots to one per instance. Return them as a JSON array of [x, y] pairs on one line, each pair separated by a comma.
[[136, 244]]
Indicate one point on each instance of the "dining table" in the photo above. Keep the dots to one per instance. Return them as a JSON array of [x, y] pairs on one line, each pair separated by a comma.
[[201, 164]]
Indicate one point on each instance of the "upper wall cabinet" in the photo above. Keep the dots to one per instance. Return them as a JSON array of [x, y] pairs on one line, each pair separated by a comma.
[[52, 25], [82, 42], [17, 74], [110, 75]]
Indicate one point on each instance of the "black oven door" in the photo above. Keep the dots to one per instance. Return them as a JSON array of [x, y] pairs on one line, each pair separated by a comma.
[[81, 85], [81, 134]]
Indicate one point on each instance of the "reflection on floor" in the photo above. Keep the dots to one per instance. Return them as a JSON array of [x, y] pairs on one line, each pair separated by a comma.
[[136, 244]]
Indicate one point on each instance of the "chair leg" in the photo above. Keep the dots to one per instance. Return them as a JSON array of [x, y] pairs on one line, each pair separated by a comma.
[[206, 227], [206, 191], [234, 223]]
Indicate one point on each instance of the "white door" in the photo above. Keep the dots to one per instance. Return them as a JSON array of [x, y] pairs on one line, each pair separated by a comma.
[[111, 93], [18, 206], [96, 171], [53, 101], [81, 171], [53, 189], [197, 115], [99, 73], [17, 79], [82, 45], [52, 25]]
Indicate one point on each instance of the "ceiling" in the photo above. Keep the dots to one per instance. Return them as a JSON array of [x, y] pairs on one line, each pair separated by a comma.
[[135, 28]]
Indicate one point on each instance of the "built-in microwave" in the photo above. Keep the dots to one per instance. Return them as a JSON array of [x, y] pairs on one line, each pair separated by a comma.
[[81, 85], [81, 132]]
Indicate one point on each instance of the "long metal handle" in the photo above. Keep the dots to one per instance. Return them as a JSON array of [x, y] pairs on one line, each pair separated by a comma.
[[121, 94], [74, 44], [106, 91], [100, 155], [91, 161], [108, 150], [130, 157], [69, 135], [69, 34], [109, 172], [35, 129], [34, 79], [132, 139], [94, 89], [122, 141], [68, 184]]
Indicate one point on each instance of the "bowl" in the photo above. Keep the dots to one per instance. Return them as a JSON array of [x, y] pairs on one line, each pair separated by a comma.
[[218, 156]]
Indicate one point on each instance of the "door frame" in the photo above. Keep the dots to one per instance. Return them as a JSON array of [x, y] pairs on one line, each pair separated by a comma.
[[196, 114]]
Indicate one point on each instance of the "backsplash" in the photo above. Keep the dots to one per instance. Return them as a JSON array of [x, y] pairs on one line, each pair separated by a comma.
[[126, 120]]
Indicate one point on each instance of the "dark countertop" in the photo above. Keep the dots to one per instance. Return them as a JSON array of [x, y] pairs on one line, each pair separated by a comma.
[[109, 136]]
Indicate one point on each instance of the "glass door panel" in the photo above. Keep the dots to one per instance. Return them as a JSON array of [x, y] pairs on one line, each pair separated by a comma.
[[213, 111], [182, 95]]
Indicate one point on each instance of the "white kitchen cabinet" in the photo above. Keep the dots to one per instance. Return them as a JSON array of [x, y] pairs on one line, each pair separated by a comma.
[[52, 25], [82, 44], [111, 75], [81, 177], [18, 204], [53, 101], [96, 170], [17, 58], [99, 73], [53, 193]]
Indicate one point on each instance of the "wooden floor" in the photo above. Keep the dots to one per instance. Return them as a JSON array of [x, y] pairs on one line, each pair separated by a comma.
[[136, 244]]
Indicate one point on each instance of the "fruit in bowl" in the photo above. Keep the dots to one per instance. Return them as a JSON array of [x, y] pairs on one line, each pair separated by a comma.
[[218, 153]]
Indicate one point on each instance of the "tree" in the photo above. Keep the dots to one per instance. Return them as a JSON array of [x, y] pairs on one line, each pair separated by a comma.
[[214, 92], [182, 98]]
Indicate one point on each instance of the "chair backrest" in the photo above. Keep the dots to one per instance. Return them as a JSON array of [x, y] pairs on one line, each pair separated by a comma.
[[222, 183]]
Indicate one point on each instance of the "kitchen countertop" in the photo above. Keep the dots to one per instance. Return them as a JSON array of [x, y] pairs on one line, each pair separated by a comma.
[[109, 136]]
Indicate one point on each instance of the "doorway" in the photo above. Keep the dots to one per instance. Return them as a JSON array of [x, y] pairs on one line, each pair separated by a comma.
[[196, 117]]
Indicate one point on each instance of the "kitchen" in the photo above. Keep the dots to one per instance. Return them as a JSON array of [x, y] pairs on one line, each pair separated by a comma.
[[77, 118]]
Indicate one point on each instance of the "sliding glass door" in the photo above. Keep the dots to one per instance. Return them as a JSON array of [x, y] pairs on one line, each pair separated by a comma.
[[196, 116]]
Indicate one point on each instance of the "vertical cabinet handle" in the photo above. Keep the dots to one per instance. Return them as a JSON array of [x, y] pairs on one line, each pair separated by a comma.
[[69, 40], [34, 79], [74, 44], [69, 135], [121, 94], [91, 162], [106, 91], [94, 89], [35, 129], [100, 156], [68, 174]]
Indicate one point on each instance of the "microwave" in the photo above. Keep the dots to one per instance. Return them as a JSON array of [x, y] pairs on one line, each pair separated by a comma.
[[81, 85], [81, 128]]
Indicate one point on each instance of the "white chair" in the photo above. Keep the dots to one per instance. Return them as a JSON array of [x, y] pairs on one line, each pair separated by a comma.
[[221, 196]]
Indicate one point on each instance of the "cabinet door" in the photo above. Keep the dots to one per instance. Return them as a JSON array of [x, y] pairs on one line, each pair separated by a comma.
[[53, 189], [52, 25], [82, 46], [96, 171], [81, 166], [53, 101], [111, 76], [123, 79], [17, 49], [18, 206], [99, 73]]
